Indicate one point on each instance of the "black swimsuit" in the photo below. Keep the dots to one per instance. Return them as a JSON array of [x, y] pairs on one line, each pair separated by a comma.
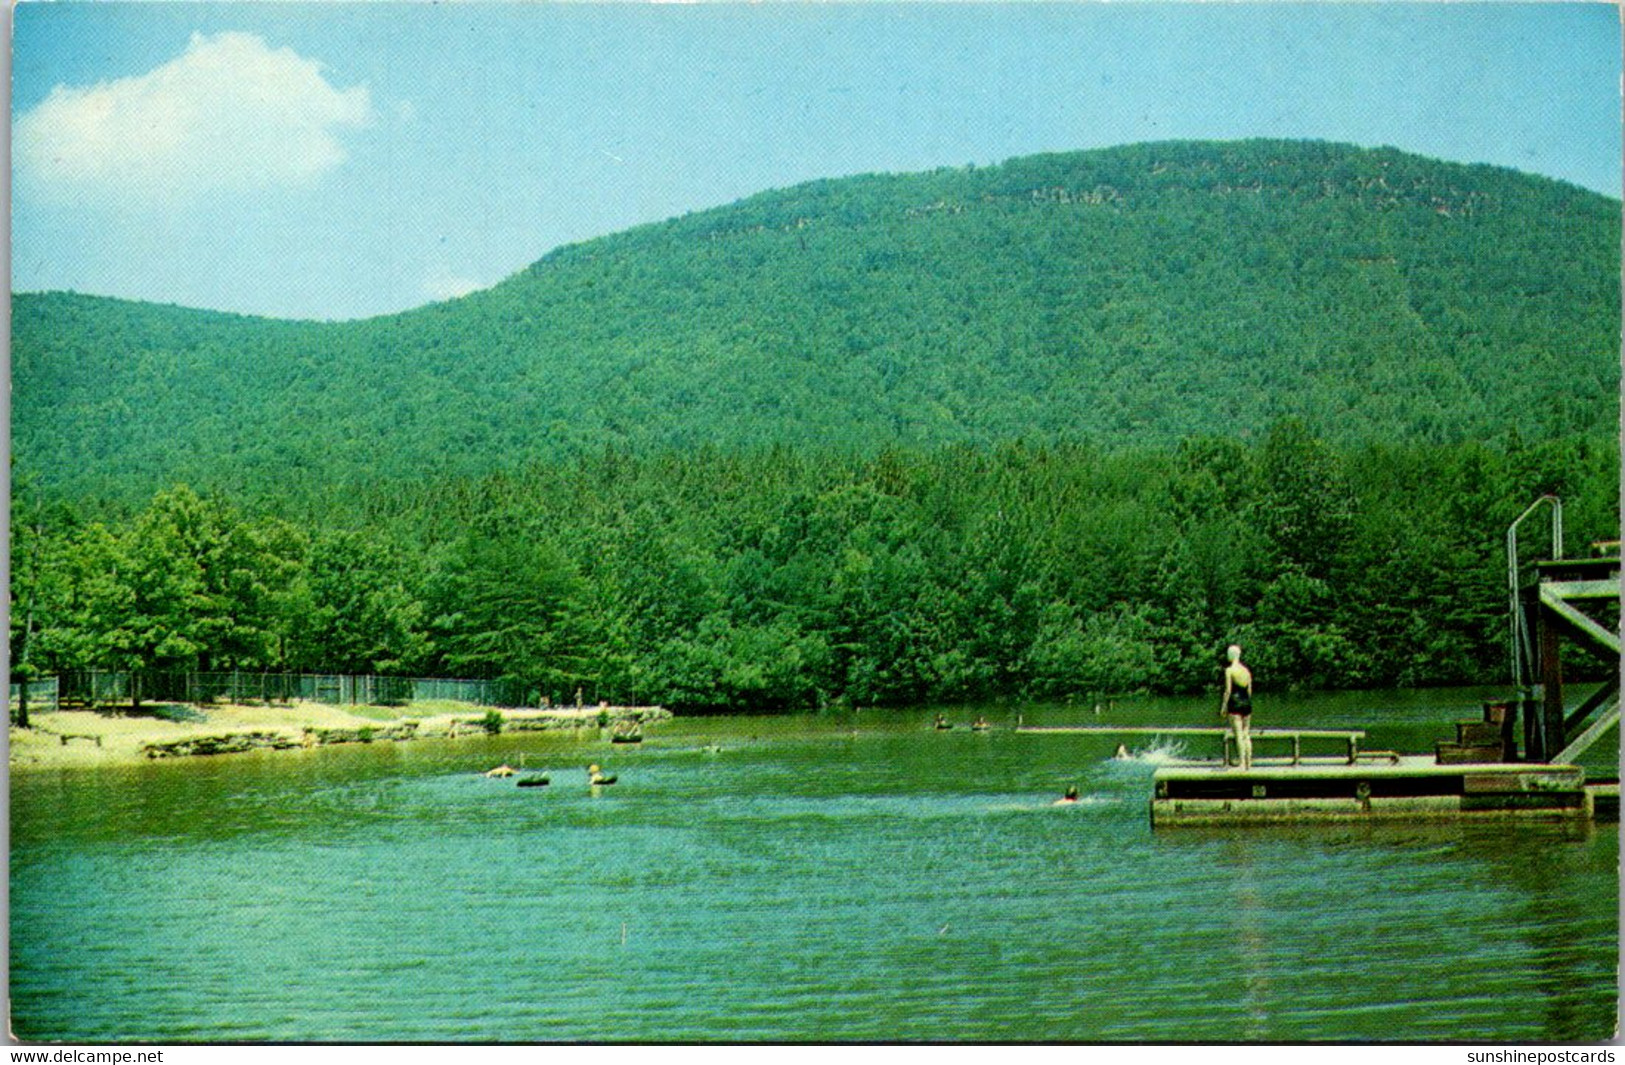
[[1241, 700]]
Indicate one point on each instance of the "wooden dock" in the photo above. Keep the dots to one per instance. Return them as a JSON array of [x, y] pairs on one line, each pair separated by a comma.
[[1472, 778], [1414, 787]]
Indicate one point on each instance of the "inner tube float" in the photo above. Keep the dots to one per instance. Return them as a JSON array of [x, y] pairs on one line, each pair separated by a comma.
[[535, 780]]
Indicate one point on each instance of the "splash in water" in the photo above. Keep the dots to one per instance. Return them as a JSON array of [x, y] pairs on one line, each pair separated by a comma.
[[1163, 753]]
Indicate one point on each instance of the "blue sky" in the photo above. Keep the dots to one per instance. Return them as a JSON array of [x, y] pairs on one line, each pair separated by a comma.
[[340, 160]]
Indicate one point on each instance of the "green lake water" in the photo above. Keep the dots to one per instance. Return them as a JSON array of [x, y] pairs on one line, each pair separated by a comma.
[[842, 877]]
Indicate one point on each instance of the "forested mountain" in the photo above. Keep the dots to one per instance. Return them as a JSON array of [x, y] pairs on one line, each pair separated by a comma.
[[1063, 426], [1128, 297]]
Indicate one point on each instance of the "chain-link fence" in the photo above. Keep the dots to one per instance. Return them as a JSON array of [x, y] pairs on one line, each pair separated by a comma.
[[43, 694], [104, 687]]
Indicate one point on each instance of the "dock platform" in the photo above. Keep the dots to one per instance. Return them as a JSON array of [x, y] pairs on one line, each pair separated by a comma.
[[1409, 787]]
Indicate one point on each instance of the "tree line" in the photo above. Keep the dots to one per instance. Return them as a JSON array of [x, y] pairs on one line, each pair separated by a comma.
[[783, 579]]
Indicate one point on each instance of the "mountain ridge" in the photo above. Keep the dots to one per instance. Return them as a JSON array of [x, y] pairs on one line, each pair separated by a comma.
[[1133, 296]]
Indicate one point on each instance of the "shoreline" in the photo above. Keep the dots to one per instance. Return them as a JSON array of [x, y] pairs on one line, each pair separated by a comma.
[[71, 739]]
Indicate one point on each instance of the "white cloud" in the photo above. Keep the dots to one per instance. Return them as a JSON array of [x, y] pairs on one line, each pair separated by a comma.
[[230, 113]]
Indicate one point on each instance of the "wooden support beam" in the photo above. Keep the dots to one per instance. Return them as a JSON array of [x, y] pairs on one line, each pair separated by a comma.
[[1551, 679], [1582, 742], [1579, 624], [1587, 708], [1581, 589], [1534, 750]]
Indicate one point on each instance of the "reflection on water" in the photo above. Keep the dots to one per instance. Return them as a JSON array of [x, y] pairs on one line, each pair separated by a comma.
[[860, 877], [1249, 918]]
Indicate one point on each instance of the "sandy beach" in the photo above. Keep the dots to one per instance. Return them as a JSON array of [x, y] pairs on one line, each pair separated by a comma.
[[83, 738]]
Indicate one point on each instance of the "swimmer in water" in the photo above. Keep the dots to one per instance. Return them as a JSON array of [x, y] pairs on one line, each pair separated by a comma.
[[1122, 754], [1071, 796]]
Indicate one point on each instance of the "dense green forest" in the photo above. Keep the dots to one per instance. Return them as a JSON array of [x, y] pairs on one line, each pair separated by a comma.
[[1131, 297], [1060, 427], [783, 578]]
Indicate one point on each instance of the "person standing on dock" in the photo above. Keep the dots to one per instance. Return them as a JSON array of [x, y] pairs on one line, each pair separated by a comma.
[[1238, 704]]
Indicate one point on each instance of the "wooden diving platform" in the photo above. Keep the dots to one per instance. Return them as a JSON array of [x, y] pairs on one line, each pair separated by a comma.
[[1350, 737], [1412, 787], [1554, 601]]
